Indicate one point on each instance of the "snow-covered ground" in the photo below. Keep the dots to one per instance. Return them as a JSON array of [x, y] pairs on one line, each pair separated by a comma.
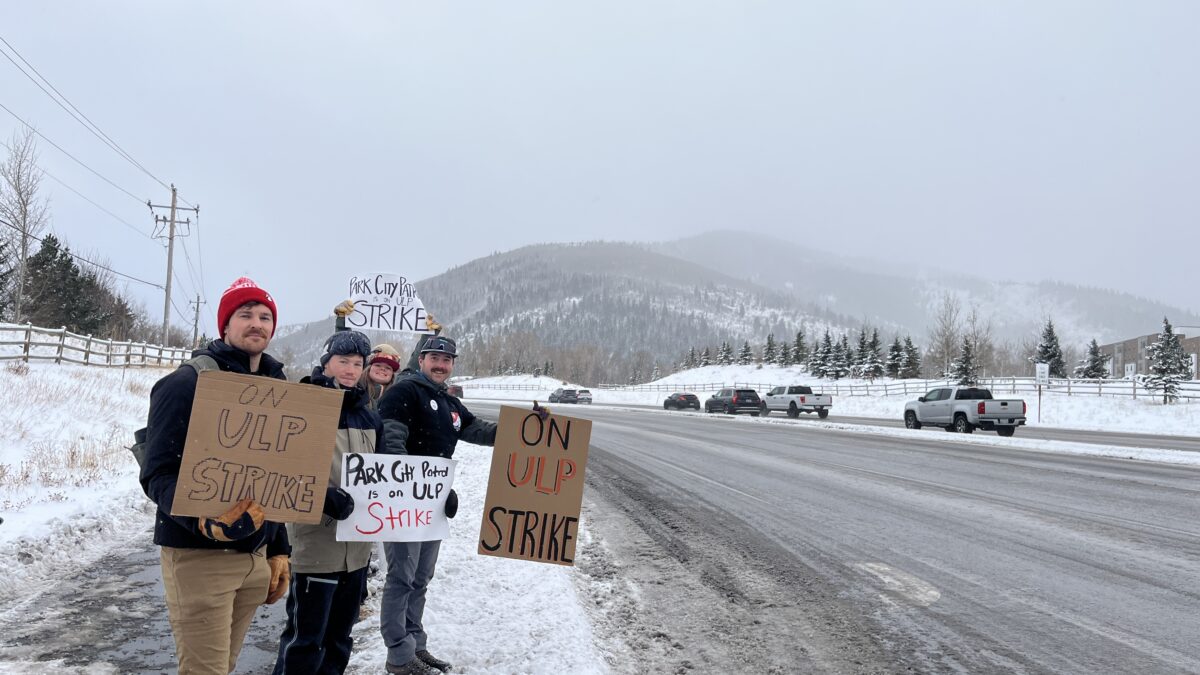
[[1092, 413], [69, 494]]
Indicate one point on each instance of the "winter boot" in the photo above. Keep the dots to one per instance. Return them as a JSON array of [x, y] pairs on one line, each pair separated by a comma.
[[433, 661], [414, 667]]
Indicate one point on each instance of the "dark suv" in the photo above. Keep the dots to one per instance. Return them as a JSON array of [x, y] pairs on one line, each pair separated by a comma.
[[680, 401], [564, 396], [733, 401]]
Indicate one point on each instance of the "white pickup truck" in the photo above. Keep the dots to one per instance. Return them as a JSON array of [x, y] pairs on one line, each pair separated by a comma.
[[964, 409], [796, 399]]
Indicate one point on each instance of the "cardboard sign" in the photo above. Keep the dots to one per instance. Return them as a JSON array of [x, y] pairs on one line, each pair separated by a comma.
[[386, 302], [535, 489], [396, 497], [259, 438]]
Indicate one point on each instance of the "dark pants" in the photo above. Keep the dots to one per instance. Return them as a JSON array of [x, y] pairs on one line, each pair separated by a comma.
[[321, 611], [410, 568]]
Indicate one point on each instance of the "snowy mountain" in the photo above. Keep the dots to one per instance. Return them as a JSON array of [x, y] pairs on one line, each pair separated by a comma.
[[609, 311], [908, 295]]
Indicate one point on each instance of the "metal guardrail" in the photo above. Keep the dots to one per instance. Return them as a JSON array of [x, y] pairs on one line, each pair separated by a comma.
[[64, 346]]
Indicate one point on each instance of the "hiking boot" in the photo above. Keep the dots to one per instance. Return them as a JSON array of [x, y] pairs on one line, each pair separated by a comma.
[[414, 667], [433, 661]]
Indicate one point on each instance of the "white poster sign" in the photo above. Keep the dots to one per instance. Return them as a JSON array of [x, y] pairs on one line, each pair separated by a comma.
[[386, 302], [396, 497], [1043, 373]]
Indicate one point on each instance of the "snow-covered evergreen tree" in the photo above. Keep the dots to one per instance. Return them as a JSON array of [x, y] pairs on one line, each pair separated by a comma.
[[1049, 351], [746, 355], [783, 355], [895, 358], [818, 359], [1094, 366], [799, 349], [965, 369], [1169, 364], [725, 356], [705, 358], [910, 367], [858, 359], [657, 374], [839, 360], [872, 362], [768, 353]]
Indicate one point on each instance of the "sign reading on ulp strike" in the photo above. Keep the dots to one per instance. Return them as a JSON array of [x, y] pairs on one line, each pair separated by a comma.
[[535, 489]]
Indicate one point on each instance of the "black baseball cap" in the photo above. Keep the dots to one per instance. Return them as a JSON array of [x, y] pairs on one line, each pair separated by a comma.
[[441, 345]]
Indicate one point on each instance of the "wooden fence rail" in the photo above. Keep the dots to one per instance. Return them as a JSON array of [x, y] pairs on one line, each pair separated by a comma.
[[32, 343]]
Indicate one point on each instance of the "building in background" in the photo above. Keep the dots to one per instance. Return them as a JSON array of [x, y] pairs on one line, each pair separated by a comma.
[[1135, 353]]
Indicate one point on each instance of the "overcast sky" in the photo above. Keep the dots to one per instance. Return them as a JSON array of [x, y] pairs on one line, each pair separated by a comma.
[[1020, 140]]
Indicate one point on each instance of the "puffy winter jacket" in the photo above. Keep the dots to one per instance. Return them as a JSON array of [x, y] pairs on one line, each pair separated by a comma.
[[420, 418], [166, 434], [315, 548]]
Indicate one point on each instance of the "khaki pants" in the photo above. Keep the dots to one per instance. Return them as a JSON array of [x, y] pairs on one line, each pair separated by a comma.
[[211, 598]]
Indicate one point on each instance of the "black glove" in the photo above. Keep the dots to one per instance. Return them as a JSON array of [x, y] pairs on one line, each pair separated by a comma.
[[451, 504], [338, 503]]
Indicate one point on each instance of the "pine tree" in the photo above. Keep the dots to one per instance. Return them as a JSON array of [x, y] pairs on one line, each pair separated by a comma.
[[895, 358], [1094, 366], [690, 361], [705, 358], [858, 358], [910, 367], [965, 369], [783, 355], [1049, 351], [746, 355], [818, 359], [768, 353], [725, 357], [839, 361], [1169, 364], [872, 362], [799, 349], [657, 374]]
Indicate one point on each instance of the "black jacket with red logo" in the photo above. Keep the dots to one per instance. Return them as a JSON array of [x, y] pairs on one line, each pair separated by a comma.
[[420, 418]]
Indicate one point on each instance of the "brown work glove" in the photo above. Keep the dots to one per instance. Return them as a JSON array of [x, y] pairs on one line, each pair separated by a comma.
[[239, 522], [279, 578], [432, 323], [344, 308]]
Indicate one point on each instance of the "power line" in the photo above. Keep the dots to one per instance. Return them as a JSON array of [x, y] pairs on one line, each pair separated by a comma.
[[73, 111], [81, 258], [77, 160]]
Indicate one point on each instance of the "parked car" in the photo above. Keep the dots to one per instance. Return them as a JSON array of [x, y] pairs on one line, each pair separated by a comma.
[[564, 396], [680, 401], [965, 409], [584, 396], [796, 399], [454, 390], [733, 401]]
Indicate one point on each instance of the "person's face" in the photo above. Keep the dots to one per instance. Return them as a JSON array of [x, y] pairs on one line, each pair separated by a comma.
[[345, 370], [380, 373], [250, 328], [437, 366]]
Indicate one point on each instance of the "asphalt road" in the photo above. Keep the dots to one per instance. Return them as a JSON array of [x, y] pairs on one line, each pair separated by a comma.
[[791, 548]]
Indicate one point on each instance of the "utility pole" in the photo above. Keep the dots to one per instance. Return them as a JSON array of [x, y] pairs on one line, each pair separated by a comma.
[[196, 322], [168, 224]]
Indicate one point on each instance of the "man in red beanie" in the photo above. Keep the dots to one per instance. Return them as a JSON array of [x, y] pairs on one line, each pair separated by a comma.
[[216, 571]]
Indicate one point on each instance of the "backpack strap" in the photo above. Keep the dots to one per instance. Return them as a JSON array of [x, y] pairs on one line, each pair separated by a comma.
[[202, 363]]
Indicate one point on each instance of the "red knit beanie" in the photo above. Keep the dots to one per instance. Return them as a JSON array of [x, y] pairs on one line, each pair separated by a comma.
[[239, 293], [386, 359]]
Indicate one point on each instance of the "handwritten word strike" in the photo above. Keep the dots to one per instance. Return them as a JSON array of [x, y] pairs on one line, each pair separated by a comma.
[[395, 519], [232, 482], [530, 534]]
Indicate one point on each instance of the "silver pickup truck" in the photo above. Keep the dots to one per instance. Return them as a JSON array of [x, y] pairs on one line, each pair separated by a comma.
[[965, 409], [796, 399]]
